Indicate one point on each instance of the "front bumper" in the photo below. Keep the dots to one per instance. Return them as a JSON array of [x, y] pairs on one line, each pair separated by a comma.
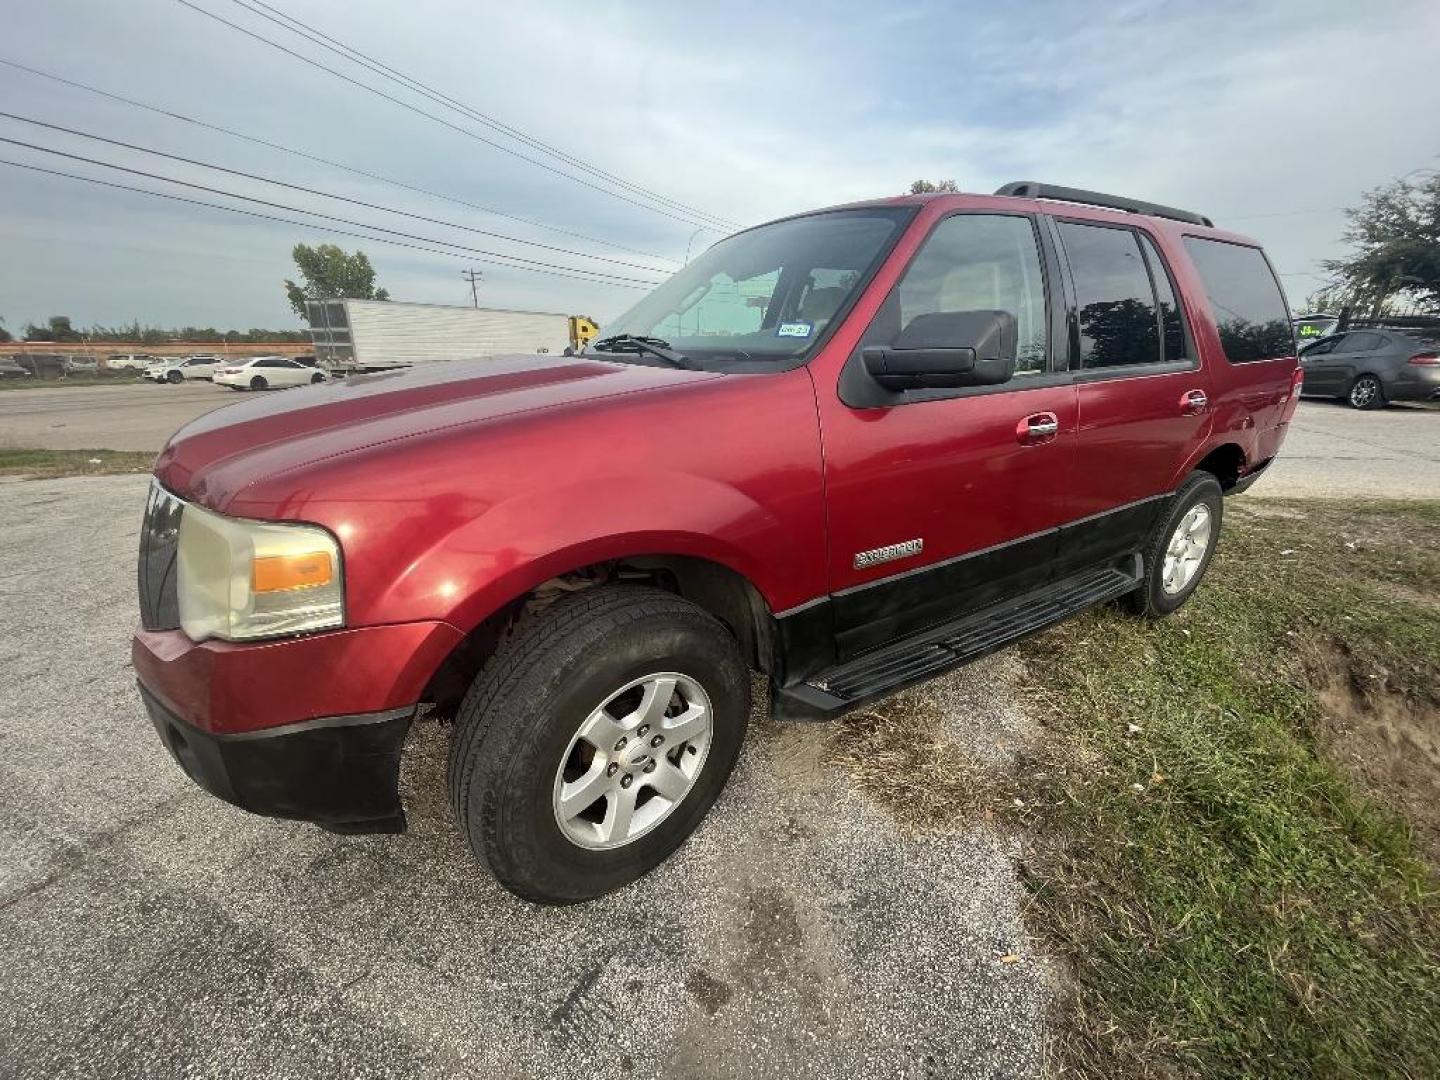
[[307, 727], [342, 772]]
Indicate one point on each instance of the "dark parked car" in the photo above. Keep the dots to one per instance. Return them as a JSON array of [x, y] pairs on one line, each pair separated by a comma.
[[1031, 403], [9, 369], [1370, 367]]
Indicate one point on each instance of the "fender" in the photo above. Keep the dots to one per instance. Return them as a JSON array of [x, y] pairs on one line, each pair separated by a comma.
[[467, 573]]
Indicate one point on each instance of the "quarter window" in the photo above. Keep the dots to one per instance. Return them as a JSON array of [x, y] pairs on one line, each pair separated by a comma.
[[1250, 310], [977, 262], [1116, 306]]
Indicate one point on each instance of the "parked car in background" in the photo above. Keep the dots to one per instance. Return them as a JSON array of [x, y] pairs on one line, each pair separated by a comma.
[[9, 369], [1371, 367], [199, 366], [948, 422], [81, 365], [266, 373], [130, 361]]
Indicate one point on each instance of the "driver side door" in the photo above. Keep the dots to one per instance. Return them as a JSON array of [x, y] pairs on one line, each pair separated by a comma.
[[941, 501]]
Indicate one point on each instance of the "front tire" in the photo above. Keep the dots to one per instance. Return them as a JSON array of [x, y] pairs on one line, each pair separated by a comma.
[[1366, 393], [174, 377], [555, 787], [258, 383], [1180, 547]]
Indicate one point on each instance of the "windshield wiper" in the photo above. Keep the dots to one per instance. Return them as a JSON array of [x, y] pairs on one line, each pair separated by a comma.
[[637, 344]]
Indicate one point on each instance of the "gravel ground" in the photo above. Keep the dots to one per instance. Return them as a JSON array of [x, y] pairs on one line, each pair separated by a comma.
[[151, 930]]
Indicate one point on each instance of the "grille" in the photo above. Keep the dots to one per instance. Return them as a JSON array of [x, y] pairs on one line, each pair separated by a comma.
[[159, 541]]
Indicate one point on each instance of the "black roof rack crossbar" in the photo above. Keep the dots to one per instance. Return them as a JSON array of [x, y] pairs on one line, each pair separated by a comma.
[[1031, 189]]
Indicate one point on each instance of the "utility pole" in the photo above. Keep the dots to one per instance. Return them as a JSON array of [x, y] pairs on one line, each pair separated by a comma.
[[473, 276]]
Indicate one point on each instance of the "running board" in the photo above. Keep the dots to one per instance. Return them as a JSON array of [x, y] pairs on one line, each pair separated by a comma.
[[930, 652]]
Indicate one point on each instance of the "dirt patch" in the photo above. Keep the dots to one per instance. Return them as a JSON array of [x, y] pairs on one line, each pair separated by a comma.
[[1387, 738], [902, 758]]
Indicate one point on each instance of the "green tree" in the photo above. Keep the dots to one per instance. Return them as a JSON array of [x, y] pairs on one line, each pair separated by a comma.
[[927, 187], [57, 328], [329, 273], [1396, 235], [4, 334]]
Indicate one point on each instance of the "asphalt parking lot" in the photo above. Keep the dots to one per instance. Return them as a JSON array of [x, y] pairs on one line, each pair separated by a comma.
[[151, 930], [130, 416]]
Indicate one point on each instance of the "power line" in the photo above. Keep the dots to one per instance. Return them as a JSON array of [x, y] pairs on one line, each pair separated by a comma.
[[601, 274], [183, 118], [619, 283], [437, 119], [322, 194], [378, 67]]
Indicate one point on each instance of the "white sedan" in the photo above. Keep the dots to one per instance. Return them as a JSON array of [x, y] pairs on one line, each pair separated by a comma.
[[199, 366], [267, 373]]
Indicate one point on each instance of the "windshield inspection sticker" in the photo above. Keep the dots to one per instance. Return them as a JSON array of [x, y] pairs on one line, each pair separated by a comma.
[[794, 329]]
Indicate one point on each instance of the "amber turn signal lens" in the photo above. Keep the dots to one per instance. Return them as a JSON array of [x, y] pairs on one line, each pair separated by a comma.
[[277, 573]]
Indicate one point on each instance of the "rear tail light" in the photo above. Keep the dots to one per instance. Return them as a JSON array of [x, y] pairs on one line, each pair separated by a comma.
[[1297, 379], [1426, 359]]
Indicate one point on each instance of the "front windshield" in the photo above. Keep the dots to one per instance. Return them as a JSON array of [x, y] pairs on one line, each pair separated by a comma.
[[766, 294]]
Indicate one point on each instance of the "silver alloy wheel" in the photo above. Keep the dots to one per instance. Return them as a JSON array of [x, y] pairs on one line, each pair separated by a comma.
[[633, 760], [1365, 390], [1186, 550]]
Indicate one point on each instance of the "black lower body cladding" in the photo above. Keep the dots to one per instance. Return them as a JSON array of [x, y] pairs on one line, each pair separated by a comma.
[[340, 772]]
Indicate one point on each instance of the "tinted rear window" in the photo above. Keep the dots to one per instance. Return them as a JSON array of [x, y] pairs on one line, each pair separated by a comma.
[[1249, 307]]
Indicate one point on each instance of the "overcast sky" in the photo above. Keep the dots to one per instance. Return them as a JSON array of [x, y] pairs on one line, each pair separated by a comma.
[[1269, 117]]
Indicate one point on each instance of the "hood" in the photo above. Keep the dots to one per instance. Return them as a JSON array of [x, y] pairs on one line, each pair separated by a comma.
[[213, 458]]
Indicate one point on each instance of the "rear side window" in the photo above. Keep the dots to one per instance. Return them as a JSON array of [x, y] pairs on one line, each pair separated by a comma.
[[1250, 310], [1116, 305], [1172, 330], [1363, 342]]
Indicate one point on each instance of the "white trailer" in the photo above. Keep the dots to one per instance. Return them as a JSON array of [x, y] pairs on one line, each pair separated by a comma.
[[375, 335]]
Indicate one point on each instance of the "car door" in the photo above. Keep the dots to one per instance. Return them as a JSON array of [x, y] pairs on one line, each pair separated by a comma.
[[1142, 395], [942, 501], [1350, 357], [1322, 372]]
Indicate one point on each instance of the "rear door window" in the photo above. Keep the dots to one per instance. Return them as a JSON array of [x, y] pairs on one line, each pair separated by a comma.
[[1362, 342], [1172, 329], [1250, 310], [1113, 295]]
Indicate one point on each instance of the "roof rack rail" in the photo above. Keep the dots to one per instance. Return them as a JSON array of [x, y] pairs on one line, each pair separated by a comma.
[[1032, 189]]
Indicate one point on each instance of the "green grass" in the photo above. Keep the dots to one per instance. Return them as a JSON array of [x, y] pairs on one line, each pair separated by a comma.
[[1230, 899], [50, 463]]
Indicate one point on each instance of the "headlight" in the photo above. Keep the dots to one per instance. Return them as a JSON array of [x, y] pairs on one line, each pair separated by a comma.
[[251, 579]]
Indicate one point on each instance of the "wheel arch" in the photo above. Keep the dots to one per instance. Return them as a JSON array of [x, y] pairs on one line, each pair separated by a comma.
[[1226, 462], [719, 589]]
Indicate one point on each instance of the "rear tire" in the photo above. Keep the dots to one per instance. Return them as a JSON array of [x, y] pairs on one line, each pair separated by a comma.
[[520, 740], [258, 383], [316, 379], [1366, 392], [1175, 558]]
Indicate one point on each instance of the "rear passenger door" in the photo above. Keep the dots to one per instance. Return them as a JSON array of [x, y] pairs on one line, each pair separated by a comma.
[[1354, 355], [1142, 399]]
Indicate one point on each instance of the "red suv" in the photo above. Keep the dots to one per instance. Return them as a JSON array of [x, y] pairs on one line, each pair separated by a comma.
[[850, 449]]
